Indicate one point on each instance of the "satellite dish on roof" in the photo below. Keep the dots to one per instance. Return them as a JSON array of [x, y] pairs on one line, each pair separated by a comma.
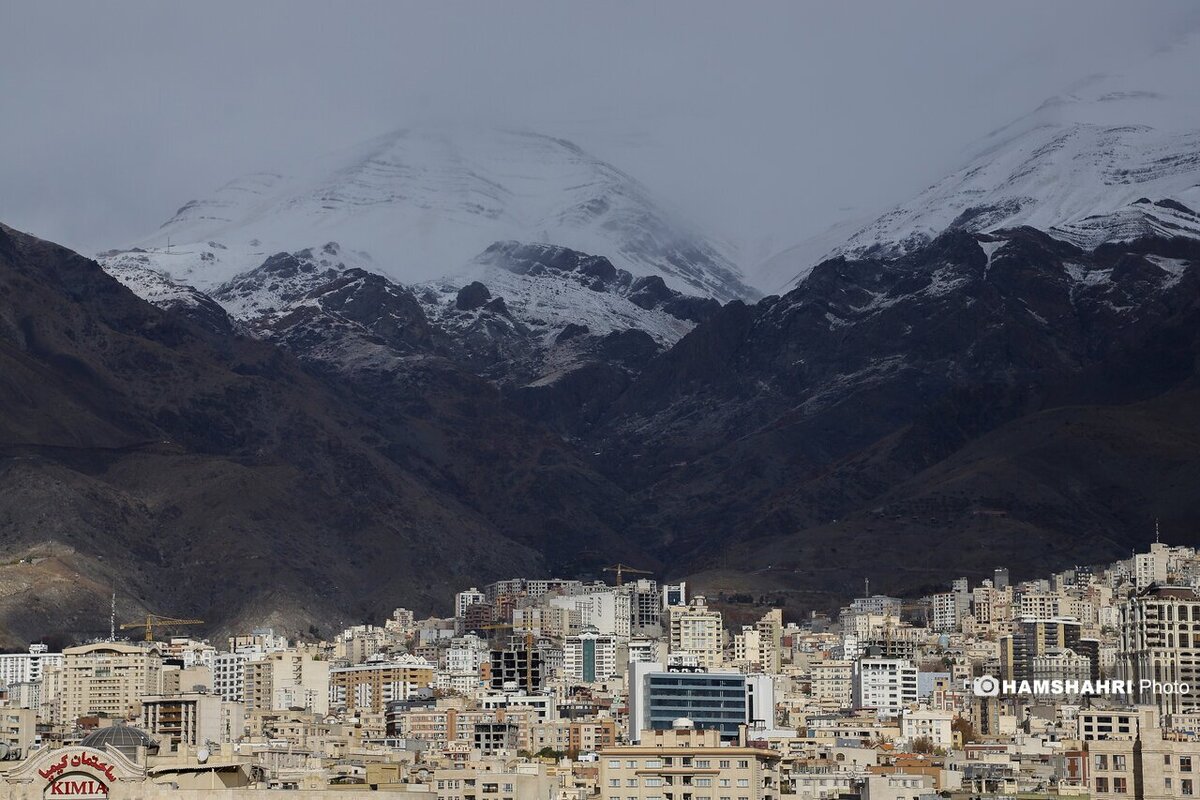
[[202, 755]]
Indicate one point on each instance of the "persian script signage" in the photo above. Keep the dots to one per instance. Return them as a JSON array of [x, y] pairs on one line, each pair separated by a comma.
[[78, 774]]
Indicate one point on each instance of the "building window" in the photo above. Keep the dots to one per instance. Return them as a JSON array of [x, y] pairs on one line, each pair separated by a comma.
[[1101, 761], [1118, 763], [723, 764], [1185, 787], [1185, 763], [743, 765], [1101, 785], [1119, 786]]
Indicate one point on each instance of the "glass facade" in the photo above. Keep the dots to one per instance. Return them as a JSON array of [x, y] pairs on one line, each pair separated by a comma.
[[708, 700]]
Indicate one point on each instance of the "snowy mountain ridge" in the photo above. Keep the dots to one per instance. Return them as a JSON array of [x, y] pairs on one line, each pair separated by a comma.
[[1114, 158]]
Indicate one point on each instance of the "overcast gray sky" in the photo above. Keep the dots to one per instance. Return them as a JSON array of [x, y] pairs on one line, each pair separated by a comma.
[[766, 121]]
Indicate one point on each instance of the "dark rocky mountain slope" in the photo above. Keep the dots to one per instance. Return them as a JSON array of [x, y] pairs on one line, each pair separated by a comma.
[[984, 400], [212, 475]]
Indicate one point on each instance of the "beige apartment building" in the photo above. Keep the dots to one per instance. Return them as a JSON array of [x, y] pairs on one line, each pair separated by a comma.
[[698, 631], [287, 679], [832, 684], [192, 719], [687, 764], [106, 678], [1131, 758], [371, 686]]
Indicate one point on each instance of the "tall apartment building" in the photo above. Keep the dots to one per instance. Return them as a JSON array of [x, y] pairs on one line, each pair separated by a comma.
[[1160, 642], [1150, 568], [770, 640], [696, 630], [465, 655], [832, 684], [229, 676], [590, 656], [287, 679], [27, 667], [107, 678], [371, 686], [887, 685], [645, 603], [465, 599], [606, 610], [193, 719], [1034, 637]]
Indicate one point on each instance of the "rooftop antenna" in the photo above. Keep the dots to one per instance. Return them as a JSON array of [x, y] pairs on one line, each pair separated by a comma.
[[112, 619], [1157, 533], [168, 244], [866, 587]]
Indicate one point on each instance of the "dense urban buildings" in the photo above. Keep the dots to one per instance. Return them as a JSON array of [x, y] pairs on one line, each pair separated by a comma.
[[1077, 684]]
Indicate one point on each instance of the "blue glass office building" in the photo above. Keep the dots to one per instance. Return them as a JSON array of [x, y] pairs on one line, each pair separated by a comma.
[[709, 700]]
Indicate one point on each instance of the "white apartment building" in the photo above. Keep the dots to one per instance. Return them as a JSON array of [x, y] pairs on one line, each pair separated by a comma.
[[590, 656], [27, 667], [924, 723], [887, 685], [945, 611], [466, 654], [1150, 567], [229, 676], [465, 599]]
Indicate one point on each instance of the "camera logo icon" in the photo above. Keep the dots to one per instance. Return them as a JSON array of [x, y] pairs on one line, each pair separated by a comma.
[[985, 686]]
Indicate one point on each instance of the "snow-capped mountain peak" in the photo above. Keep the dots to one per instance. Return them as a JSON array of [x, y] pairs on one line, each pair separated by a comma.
[[1113, 158], [419, 204]]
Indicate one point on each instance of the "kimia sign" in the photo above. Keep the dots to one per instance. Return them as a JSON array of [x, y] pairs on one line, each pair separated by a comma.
[[77, 786]]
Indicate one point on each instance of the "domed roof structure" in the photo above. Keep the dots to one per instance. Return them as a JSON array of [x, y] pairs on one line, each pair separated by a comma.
[[124, 738]]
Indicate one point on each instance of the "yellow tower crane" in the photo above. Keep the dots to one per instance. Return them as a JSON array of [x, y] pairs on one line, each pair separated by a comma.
[[159, 620], [621, 569]]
